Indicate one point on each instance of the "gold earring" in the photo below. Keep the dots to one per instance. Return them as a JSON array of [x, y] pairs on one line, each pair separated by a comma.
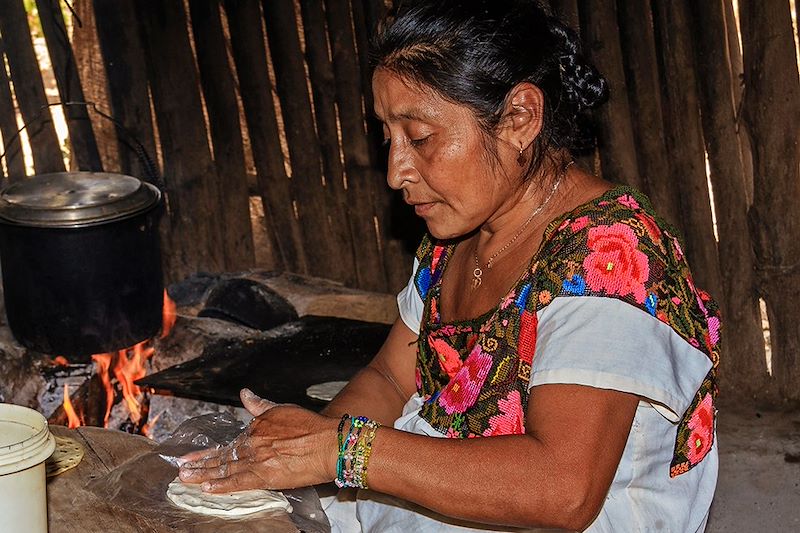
[[521, 157]]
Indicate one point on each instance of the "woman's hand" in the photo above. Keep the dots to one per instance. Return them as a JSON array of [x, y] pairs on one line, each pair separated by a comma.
[[285, 446]]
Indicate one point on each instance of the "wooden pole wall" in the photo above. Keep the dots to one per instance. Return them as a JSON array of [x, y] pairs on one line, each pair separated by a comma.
[[81, 137], [602, 45], [685, 141], [29, 88], [192, 183], [219, 91], [644, 88], [772, 114], [746, 364], [14, 164]]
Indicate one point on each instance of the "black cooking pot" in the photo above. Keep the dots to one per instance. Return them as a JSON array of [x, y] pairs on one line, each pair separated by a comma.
[[81, 263]]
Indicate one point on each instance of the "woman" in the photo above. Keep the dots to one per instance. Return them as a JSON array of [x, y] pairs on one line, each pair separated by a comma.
[[550, 334]]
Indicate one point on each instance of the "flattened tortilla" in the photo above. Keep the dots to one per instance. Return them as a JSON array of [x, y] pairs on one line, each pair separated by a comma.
[[325, 391], [67, 455], [191, 497]]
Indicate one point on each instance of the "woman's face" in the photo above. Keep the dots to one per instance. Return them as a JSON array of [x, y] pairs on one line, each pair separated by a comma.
[[438, 158]]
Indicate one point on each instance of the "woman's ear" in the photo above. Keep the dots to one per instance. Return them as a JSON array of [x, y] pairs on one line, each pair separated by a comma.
[[522, 115]]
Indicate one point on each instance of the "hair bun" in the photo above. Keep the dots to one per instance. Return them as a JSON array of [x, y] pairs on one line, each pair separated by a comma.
[[582, 83]]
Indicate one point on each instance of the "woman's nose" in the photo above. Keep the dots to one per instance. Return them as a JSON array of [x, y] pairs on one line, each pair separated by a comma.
[[400, 169]]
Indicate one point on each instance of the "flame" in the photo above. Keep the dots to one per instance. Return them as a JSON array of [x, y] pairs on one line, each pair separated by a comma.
[[127, 366], [169, 315], [148, 428], [72, 417], [103, 361], [60, 360]]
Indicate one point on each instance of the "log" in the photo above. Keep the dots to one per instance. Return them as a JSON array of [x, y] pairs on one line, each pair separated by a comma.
[[362, 189], [772, 113], [192, 184], [745, 371], [29, 88], [325, 256], [737, 85], [250, 58], [81, 137], [14, 161], [616, 142], [685, 142], [126, 70], [321, 78], [219, 91], [644, 89]]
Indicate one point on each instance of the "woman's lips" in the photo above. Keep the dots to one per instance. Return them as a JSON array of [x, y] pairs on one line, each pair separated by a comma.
[[422, 209]]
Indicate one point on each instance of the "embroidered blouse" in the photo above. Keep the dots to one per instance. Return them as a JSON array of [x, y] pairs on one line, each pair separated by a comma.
[[473, 376], [607, 301]]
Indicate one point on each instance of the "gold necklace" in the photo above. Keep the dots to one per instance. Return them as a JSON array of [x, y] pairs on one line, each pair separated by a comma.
[[478, 272]]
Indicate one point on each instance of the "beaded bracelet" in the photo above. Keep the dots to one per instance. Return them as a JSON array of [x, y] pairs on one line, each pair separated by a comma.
[[355, 448]]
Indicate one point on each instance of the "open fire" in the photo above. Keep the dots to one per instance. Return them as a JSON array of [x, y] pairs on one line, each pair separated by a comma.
[[118, 372]]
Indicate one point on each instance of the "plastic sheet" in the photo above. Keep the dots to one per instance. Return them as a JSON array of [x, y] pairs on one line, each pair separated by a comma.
[[140, 485]]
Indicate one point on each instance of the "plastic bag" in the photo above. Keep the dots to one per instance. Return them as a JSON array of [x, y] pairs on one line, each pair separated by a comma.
[[140, 485]]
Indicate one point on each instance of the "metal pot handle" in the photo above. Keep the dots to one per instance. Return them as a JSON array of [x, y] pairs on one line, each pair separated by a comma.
[[152, 175]]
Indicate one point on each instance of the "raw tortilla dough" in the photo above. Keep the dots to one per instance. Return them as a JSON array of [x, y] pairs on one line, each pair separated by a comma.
[[191, 497], [325, 391]]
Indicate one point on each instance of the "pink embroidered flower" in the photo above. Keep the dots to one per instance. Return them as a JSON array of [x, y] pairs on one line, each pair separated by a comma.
[[701, 425], [563, 225], [449, 358], [713, 330], [616, 265], [508, 299], [462, 391], [453, 434], [418, 378], [628, 201], [579, 223], [510, 422]]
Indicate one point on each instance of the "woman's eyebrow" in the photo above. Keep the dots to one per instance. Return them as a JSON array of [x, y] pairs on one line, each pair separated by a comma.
[[404, 115]]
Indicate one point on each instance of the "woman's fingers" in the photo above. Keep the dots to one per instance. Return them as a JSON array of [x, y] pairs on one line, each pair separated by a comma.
[[255, 404], [244, 480]]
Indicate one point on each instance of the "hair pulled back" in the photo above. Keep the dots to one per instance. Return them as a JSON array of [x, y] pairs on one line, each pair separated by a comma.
[[473, 52]]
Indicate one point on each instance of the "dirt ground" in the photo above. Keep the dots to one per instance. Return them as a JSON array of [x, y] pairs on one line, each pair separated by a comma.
[[759, 479]]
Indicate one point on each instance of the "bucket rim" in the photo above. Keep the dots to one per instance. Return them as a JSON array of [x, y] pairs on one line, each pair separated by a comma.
[[31, 450]]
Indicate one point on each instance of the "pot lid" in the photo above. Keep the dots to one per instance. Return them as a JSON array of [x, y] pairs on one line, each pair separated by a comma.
[[74, 199]]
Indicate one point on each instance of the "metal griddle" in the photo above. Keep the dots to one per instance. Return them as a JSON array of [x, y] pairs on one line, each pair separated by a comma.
[[279, 365]]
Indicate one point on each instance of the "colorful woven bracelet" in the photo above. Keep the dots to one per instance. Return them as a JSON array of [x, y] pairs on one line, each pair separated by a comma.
[[354, 451]]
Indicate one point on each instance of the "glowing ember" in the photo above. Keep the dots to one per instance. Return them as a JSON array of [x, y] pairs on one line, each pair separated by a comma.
[[74, 421], [60, 360], [127, 366]]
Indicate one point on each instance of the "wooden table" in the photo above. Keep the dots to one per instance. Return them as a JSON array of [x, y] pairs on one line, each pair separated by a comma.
[[72, 508]]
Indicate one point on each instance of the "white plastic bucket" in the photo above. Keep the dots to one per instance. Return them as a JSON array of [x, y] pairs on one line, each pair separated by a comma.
[[25, 444]]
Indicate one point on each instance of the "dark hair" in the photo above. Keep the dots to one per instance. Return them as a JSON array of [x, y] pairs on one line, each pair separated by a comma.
[[473, 52]]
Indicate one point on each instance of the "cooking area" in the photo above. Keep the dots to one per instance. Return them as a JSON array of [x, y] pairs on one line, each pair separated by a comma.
[[228, 226]]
